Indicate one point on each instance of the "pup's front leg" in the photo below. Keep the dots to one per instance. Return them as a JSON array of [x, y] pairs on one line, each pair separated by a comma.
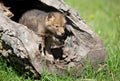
[[48, 42], [43, 46]]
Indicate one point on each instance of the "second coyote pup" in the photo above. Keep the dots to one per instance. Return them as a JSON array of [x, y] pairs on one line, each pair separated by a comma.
[[6, 10], [45, 25]]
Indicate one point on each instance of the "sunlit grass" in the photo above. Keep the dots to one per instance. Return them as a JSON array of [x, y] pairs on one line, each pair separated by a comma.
[[103, 17]]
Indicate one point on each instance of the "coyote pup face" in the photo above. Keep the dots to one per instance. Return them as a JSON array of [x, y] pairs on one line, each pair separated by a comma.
[[6, 10], [55, 22]]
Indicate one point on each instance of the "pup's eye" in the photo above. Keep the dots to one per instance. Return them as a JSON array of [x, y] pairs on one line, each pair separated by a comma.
[[4, 10], [56, 26]]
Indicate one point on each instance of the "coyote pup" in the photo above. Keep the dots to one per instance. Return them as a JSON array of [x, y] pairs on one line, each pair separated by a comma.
[[6, 10], [45, 25]]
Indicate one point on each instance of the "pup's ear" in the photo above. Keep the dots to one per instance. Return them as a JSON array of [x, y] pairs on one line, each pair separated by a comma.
[[51, 16], [8, 8], [64, 18]]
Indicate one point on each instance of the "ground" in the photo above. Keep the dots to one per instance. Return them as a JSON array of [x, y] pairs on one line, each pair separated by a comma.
[[103, 16]]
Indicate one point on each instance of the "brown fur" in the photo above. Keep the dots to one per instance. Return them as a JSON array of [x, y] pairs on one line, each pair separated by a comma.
[[45, 25], [6, 10]]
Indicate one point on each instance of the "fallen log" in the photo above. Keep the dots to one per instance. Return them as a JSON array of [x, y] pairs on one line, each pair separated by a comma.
[[22, 46]]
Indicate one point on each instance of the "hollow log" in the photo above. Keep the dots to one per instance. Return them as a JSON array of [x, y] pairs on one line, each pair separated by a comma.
[[22, 46]]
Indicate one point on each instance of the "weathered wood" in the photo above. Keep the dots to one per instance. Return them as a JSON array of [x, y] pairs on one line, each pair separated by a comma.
[[24, 43], [80, 42]]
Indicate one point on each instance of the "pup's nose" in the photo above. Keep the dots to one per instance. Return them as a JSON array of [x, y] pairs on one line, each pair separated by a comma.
[[62, 34], [10, 15]]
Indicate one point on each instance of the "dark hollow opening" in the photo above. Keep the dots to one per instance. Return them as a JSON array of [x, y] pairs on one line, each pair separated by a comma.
[[18, 7]]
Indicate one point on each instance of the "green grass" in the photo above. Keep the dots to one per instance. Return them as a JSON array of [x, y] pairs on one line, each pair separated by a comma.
[[103, 16]]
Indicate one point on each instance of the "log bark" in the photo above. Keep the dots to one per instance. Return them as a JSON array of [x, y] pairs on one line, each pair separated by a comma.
[[80, 44]]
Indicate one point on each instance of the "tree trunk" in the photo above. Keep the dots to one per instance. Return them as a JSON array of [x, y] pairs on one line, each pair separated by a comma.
[[22, 46]]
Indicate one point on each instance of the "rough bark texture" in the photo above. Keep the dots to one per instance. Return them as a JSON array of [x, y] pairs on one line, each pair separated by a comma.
[[80, 44]]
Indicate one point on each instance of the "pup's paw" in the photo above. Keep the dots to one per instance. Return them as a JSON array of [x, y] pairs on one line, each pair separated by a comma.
[[50, 58]]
